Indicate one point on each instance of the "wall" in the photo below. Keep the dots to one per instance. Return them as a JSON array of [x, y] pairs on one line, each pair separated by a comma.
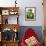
[[39, 12], [36, 29], [27, 3]]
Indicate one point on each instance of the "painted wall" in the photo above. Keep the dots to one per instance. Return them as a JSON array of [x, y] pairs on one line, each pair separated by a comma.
[[39, 12], [37, 29], [26, 3]]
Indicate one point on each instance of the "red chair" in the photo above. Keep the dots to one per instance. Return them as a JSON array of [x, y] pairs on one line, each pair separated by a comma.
[[29, 33]]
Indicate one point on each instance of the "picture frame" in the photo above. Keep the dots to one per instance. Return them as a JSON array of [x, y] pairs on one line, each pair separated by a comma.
[[30, 13]]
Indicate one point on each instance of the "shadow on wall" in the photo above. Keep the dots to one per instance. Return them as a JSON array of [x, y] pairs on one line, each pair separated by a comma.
[[37, 29]]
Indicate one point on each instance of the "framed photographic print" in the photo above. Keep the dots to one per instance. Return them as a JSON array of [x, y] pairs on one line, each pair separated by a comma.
[[30, 13]]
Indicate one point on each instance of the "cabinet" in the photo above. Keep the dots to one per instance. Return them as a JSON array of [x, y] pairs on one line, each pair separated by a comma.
[[9, 26]]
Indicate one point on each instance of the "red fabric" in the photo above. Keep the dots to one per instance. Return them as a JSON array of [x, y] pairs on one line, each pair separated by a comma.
[[29, 33]]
